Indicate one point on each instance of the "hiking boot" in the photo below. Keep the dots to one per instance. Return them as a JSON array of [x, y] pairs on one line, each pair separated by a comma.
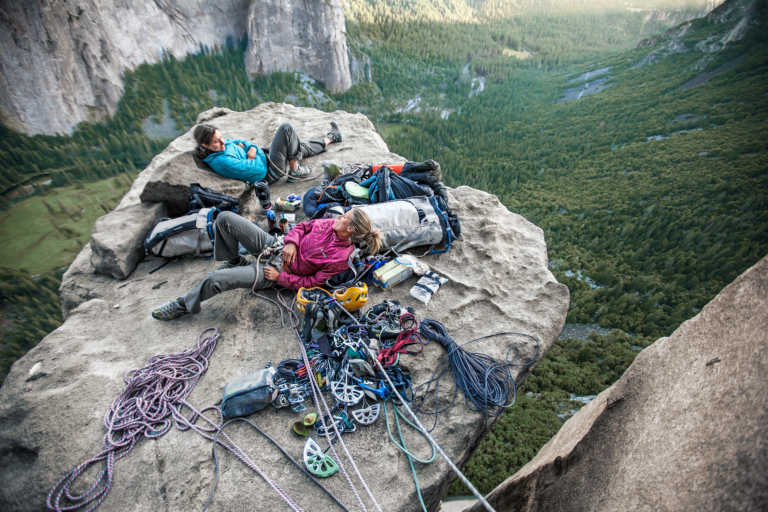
[[335, 133], [299, 173], [170, 310], [242, 262]]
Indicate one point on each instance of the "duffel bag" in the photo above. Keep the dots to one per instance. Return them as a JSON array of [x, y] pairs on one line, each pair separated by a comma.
[[412, 222], [190, 235]]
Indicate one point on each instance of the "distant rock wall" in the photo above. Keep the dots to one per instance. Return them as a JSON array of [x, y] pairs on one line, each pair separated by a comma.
[[299, 35], [359, 67], [683, 429], [62, 62]]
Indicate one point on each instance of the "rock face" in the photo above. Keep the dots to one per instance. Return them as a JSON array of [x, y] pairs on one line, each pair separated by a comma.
[[62, 62], [118, 237], [683, 429], [299, 35], [54, 399]]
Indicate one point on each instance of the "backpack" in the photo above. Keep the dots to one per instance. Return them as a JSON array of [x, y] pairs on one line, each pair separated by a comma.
[[189, 235], [207, 198], [412, 222]]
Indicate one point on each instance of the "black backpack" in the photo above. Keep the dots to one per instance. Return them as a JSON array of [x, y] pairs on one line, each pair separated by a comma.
[[207, 198]]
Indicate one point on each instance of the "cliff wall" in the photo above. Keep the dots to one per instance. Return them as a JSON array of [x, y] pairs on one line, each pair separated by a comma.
[[683, 429], [62, 62], [299, 35]]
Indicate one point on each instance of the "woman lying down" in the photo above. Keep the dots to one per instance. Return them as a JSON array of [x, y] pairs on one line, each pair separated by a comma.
[[312, 253]]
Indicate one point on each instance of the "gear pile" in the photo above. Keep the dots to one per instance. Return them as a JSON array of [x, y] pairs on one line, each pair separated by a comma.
[[343, 351]]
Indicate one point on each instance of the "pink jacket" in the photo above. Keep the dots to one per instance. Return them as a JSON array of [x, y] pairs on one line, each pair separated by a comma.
[[320, 254]]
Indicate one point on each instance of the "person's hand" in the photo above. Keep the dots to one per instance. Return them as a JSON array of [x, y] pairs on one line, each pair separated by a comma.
[[289, 255], [251, 153], [271, 273]]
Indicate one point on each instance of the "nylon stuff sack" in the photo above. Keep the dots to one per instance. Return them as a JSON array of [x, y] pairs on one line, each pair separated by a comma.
[[412, 222], [190, 235], [249, 393]]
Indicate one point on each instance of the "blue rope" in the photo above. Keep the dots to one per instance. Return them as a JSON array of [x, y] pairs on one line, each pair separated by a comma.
[[487, 385]]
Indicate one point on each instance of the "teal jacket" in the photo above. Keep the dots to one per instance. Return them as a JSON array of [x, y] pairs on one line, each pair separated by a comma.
[[233, 162]]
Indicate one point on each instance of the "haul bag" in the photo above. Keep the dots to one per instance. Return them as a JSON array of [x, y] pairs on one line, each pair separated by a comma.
[[412, 222], [190, 235]]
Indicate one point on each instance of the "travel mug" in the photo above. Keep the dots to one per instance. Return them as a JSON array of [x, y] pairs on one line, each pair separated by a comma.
[[262, 192]]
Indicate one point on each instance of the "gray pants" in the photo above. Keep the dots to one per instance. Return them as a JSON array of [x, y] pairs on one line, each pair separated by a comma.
[[231, 229], [285, 147]]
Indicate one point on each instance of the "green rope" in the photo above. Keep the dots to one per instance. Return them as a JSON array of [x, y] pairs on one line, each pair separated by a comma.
[[404, 449]]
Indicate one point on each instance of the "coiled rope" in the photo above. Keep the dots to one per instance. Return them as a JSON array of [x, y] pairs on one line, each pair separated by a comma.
[[153, 395], [144, 408], [423, 430], [487, 384]]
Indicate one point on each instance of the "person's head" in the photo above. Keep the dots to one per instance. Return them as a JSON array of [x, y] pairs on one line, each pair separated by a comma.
[[356, 225], [209, 140]]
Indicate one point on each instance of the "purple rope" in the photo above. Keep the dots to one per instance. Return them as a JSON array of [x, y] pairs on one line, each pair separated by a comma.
[[152, 395]]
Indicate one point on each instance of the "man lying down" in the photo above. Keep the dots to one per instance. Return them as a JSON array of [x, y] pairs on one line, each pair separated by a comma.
[[312, 253], [243, 160]]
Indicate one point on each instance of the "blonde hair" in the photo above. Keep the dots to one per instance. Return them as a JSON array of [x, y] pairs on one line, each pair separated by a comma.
[[363, 232]]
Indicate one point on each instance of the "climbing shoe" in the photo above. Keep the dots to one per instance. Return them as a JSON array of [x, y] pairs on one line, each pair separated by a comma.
[[299, 173], [170, 310], [335, 133], [242, 262]]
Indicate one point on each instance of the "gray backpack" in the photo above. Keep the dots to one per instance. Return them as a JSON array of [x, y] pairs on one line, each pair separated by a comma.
[[412, 222], [190, 235]]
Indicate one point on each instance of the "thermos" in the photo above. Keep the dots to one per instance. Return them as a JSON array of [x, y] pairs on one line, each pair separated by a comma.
[[262, 192]]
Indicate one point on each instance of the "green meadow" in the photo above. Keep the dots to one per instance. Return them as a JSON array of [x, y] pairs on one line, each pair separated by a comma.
[[47, 231]]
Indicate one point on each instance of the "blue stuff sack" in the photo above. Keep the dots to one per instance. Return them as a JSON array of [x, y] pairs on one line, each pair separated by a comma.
[[249, 393]]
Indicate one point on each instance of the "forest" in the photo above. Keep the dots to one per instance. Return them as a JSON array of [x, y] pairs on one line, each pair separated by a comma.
[[651, 191]]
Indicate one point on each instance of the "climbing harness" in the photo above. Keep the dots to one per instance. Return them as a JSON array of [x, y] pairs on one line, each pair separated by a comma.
[[408, 335]]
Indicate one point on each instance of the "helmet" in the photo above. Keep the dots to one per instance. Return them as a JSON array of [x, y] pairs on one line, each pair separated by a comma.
[[306, 295], [352, 298]]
